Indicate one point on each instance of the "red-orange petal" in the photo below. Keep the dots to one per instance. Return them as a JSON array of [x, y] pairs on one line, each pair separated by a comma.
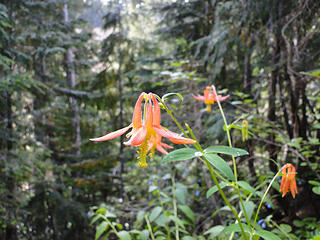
[[138, 137], [136, 118], [161, 149], [166, 146], [220, 98], [156, 111], [286, 185], [111, 135], [292, 189], [199, 97], [172, 136]]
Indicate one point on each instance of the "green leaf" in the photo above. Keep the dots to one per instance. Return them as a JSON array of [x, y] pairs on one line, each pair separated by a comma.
[[235, 228], [177, 221], [316, 238], [187, 211], [144, 234], [247, 187], [221, 165], [213, 189], [101, 229], [164, 97], [124, 235], [155, 213], [110, 215], [188, 238], [298, 223], [286, 228], [267, 235], [236, 152], [95, 219], [180, 193], [162, 220], [316, 190], [249, 207], [180, 155], [315, 183], [215, 231]]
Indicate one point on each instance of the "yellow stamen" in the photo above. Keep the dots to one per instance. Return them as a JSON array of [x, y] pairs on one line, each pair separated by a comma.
[[143, 154], [208, 107]]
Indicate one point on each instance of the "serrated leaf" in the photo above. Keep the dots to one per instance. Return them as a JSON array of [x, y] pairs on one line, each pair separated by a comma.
[[180, 155], [267, 235], [236, 152], [214, 189], [247, 187], [155, 213], [187, 211], [220, 165], [124, 235], [101, 229]]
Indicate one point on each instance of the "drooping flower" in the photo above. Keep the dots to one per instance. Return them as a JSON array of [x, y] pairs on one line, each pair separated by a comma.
[[288, 180], [209, 97], [147, 134]]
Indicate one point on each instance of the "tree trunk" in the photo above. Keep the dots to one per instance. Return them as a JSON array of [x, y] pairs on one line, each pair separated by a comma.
[[71, 82], [120, 103], [272, 91]]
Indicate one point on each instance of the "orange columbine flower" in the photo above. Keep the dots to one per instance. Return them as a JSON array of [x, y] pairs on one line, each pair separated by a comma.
[[209, 97], [288, 180], [147, 134]]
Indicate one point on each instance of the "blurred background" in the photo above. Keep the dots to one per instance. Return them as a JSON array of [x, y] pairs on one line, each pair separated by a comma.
[[72, 70]]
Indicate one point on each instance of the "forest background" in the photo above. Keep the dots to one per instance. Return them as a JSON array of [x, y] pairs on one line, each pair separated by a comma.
[[72, 70]]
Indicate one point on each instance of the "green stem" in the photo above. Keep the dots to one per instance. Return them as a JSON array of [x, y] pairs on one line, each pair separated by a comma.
[[167, 227], [149, 227], [225, 199], [233, 159], [262, 200], [111, 225], [171, 115], [198, 147], [175, 211]]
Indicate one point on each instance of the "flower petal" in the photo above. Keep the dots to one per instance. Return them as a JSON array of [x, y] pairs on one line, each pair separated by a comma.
[[161, 149], [199, 97], [166, 146], [172, 136], [111, 135], [136, 118], [220, 98], [138, 137], [156, 111]]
